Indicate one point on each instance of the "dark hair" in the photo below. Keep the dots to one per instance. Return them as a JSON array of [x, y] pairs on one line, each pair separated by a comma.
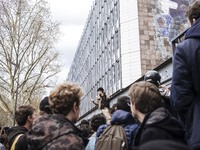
[[145, 96], [84, 122], [113, 108], [44, 106], [5, 130], [21, 115], [122, 103], [85, 130], [100, 89], [193, 11], [97, 120], [3, 139]]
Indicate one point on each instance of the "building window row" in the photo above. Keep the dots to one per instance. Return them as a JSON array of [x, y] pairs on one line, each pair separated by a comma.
[[97, 61]]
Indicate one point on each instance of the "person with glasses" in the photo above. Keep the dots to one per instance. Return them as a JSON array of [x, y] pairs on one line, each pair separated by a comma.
[[156, 121]]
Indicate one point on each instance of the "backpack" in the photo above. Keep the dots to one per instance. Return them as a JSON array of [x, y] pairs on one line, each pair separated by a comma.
[[113, 138]]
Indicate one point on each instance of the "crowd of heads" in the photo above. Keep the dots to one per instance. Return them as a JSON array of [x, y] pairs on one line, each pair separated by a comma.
[[142, 99]]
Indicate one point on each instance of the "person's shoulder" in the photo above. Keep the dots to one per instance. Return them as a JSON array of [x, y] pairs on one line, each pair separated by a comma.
[[185, 45], [149, 133], [101, 129], [69, 141], [132, 127], [22, 143]]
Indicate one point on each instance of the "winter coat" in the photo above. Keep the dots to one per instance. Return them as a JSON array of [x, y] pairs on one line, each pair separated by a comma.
[[13, 132], [186, 83], [159, 125], [126, 119], [22, 143], [54, 131]]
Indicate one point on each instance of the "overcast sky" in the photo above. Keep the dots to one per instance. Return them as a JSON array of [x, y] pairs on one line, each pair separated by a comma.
[[72, 15]]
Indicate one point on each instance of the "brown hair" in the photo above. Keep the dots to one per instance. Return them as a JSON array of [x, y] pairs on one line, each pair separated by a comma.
[[193, 11], [21, 115], [145, 96], [63, 97]]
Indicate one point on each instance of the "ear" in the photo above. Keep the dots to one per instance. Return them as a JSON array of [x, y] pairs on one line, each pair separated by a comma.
[[193, 21], [30, 118], [75, 107]]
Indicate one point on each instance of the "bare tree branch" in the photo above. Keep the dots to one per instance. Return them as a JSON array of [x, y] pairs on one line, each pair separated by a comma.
[[28, 60]]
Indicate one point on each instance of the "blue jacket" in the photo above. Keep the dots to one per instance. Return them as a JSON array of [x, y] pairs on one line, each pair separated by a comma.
[[126, 119], [186, 84]]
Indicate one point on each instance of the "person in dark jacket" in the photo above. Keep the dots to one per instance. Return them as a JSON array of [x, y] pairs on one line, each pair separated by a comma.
[[162, 145], [186, 78], [154, 77], [57, 131], [123, 117], [44, 107], [156, 121], [24, 117]]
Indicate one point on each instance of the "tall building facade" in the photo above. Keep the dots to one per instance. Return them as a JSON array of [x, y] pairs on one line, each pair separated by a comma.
[[121, 40]]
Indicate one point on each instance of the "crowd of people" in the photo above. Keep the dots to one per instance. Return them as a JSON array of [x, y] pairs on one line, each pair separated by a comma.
[[149, 117]]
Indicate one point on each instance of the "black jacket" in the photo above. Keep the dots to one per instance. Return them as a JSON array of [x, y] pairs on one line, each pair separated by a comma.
[[159, 125], [22, 143], [104, 102], [186, 83], [13, 132]]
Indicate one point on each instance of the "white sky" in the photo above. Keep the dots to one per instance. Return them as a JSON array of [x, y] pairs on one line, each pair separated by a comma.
[[72, 15]]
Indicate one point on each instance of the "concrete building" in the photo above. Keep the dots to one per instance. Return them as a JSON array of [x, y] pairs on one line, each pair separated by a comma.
[[121, 40]]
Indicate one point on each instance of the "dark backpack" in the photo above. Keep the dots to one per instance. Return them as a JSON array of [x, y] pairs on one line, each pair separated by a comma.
[[113, 138]]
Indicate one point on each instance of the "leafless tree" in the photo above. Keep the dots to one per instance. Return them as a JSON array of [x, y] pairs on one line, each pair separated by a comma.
[[28, 59]]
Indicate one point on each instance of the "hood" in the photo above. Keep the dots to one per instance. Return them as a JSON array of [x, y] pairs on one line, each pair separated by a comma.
[[157, 115], [14, 131], [194, 30], [161, 118], [122, 117]]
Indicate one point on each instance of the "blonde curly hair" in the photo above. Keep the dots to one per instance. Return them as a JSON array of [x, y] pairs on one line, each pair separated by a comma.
[[63, 97]]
